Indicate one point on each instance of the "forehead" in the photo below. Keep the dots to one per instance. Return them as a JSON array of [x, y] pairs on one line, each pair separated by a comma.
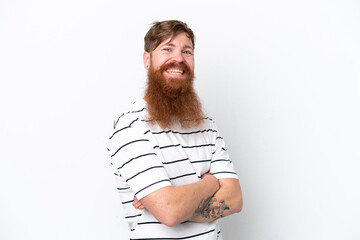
[[181, 39]]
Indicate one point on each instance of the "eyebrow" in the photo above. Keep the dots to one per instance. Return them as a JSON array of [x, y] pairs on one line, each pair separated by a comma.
[[172, 45], [187, 46], [168, 44]]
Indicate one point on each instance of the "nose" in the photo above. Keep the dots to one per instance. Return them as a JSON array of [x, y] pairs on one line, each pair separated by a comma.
[[178, 56]]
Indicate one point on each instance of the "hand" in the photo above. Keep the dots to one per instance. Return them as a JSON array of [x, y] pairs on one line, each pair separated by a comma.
[[137, 204], [211, 177], [206, 175]]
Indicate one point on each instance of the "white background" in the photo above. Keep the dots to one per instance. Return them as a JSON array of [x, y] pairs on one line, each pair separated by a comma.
[[281, 79]]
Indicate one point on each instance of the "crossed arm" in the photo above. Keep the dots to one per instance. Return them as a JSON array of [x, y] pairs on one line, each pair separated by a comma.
[[226, 201], [202, 201]]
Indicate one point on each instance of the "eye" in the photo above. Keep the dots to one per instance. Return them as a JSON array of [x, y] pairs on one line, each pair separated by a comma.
[[187, 52], [166, 49]]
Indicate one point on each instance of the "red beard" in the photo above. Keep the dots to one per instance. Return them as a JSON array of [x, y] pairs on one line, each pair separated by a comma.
[[173, 100]]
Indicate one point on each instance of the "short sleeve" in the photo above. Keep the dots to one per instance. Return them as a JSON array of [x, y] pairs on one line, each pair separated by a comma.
[[221, 164], [134, 158]]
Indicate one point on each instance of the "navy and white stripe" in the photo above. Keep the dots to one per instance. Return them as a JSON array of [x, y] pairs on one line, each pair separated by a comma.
[[146, 158]]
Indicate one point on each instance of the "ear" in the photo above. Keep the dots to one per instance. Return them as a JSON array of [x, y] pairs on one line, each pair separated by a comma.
[[146, 59]]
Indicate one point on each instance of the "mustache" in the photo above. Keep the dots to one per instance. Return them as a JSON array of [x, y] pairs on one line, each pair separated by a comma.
[[175, 65]]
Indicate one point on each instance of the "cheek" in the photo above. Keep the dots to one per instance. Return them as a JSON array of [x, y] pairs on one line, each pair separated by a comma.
[[190, 63], [161, 61], [157, 60]]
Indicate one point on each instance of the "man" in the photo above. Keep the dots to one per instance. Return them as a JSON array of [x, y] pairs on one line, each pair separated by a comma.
[[173, 172]]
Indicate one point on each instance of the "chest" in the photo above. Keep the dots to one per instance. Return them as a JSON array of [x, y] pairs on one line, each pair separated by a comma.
[[185, 155]]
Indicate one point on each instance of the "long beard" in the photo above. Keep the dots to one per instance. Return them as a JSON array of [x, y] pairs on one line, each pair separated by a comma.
[[174, 100]]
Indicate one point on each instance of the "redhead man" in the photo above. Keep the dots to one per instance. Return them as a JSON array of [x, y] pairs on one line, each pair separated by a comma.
[[173, 172]]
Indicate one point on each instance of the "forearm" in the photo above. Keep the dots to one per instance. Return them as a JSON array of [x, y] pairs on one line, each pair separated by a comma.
[[191, 199], [226, 201], [172, 205]]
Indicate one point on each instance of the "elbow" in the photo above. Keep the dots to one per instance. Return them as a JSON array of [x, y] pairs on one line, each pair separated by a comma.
[[238, 201], [171, 218], [238, 205], [167, 209], [170, 215], [170, 222]]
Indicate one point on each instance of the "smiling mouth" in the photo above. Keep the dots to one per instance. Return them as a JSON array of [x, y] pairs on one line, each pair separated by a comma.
[[175, 71]]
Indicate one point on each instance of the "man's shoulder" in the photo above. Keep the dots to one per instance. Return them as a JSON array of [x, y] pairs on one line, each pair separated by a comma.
[[208, 125], [134, 112], [208, 121]]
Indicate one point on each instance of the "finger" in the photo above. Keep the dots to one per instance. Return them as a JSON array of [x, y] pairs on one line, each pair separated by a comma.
[[139, 206]]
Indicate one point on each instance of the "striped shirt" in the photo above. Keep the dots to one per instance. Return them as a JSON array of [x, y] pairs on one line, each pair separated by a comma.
[[146, 158]]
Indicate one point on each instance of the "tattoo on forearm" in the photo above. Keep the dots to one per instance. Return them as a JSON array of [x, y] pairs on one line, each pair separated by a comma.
[[214, 211], [202, 205]]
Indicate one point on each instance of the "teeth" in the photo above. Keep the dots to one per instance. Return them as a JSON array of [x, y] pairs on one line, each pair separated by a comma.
[[175, 71]]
